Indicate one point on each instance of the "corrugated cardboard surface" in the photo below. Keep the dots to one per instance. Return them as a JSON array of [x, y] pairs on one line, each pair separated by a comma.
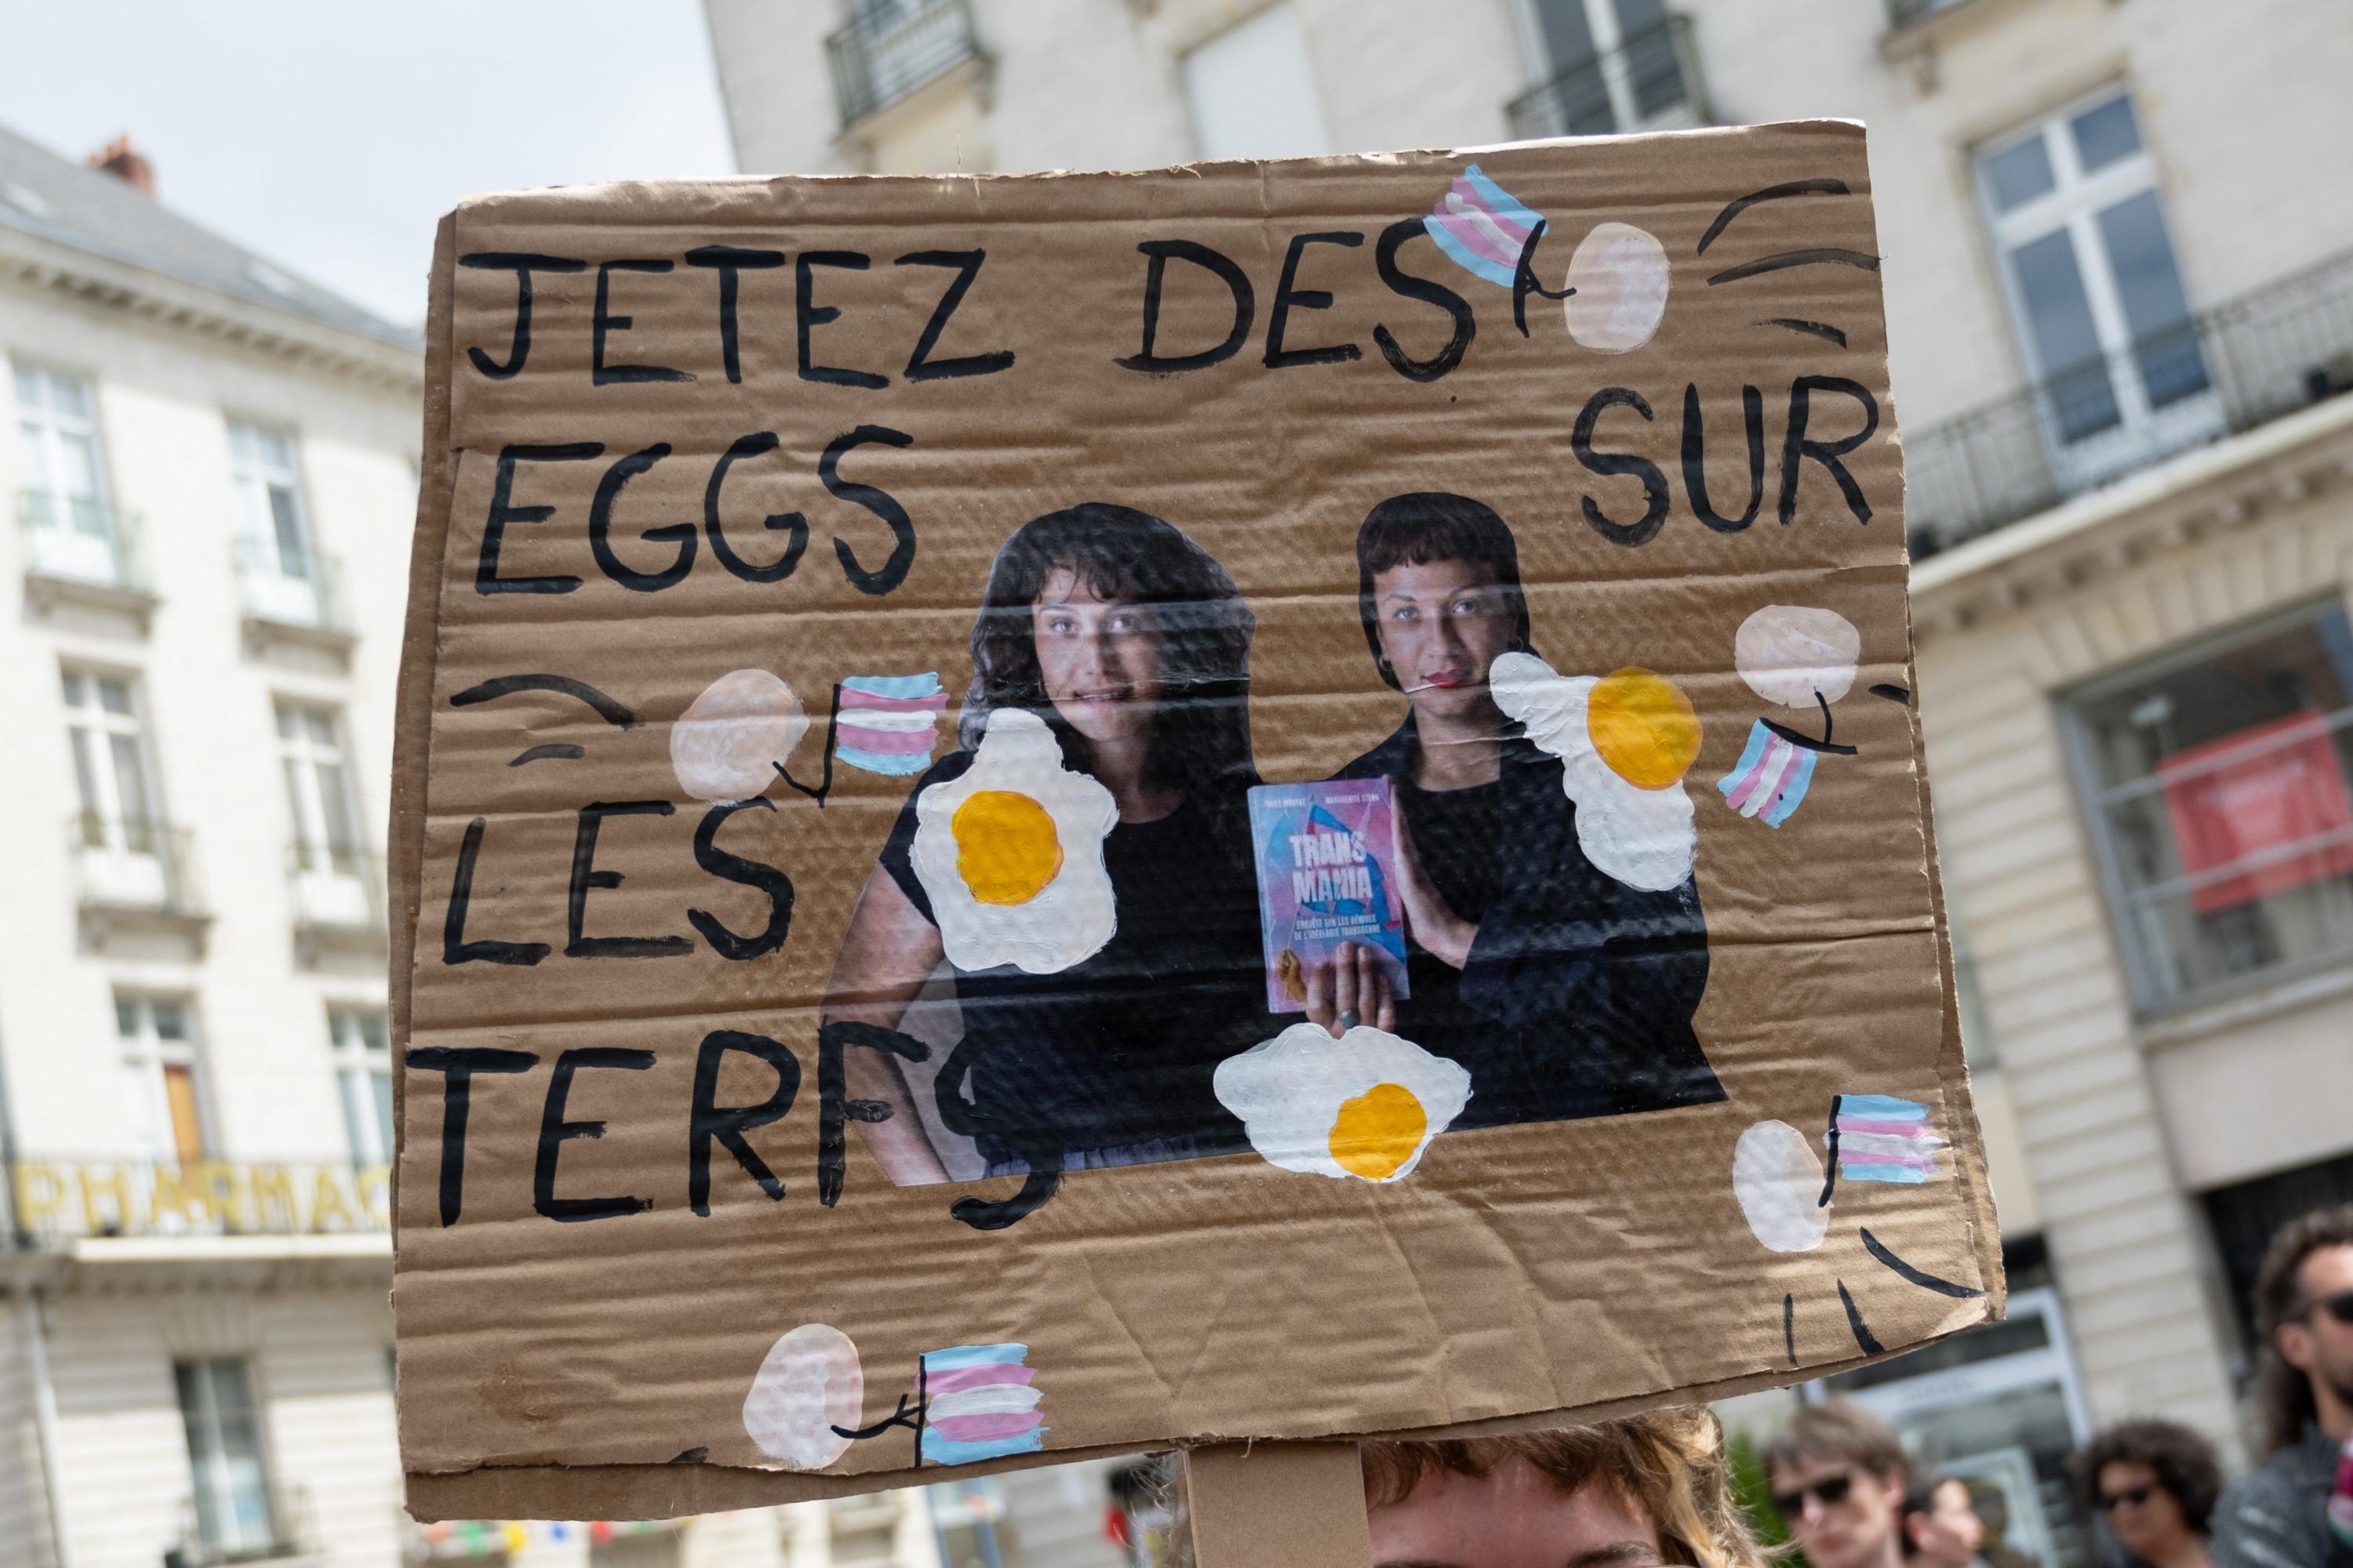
[[1520, 1274]]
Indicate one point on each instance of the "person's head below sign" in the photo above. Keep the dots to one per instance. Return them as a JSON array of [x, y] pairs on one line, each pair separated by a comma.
[[2154, 1484], [1639, 1490], [1839, 1478], [1941, 1528]]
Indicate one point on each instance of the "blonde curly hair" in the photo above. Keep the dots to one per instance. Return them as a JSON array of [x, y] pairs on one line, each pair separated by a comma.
[[1671, 1461]]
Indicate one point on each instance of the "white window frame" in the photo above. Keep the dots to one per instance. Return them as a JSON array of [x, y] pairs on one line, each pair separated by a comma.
[[1189, 85], [301, 755], [74, 535], [145, 1055], [127, 850], [293, 593], [2073, 205], [208, 1473], [361, 1063]]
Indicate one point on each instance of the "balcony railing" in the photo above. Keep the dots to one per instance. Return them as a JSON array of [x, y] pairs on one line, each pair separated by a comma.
[[80, 541], [303, 595], [135, 867], [1901, 13], [891, 48], [257, 1528], [2246, 362], [56, 1200], [337, 890], [1652, 81]]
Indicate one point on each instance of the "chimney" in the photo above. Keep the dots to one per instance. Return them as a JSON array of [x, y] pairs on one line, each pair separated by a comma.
[[126, 163]]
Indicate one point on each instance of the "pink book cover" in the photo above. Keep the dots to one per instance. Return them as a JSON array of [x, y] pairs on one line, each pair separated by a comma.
[[1326, 858]]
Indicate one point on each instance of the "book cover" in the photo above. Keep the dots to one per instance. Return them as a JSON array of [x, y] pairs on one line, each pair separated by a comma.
[[1327, 862]]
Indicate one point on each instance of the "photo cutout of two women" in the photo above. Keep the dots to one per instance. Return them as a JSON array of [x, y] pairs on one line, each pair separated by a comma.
[[1097, 936]]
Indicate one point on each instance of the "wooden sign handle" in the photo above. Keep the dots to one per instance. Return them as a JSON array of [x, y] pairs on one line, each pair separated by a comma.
[[1298, 1505]]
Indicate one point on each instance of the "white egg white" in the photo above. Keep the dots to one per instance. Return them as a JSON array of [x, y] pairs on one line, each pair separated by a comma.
[[1644, 838], [1072, 916], [1288, 1091], [1788, 653], [809, 1383]]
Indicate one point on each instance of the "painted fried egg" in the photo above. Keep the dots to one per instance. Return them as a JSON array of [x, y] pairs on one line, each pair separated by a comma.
[[1624, 741], [1012, 853], [1365, 1105]]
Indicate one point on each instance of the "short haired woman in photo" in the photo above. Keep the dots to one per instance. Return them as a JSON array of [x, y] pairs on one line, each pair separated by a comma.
[[1564, 991], [1132, 645], [2154, 1485]]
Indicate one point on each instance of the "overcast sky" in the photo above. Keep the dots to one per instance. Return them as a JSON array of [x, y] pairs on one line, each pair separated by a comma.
[[330, 134]]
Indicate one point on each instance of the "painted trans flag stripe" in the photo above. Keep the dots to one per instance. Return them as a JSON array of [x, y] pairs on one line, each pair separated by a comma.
[[1481, 226], [980, 1404], [889, 723], [1878, 1138], [1770, 779]]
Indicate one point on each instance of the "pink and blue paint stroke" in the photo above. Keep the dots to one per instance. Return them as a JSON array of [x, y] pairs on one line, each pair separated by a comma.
[[979, 1404], [889, 723], [1770, 778], [1482, 227], [1878, 1138]]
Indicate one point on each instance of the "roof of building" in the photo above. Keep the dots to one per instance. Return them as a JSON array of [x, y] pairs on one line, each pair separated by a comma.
[[73, 204]]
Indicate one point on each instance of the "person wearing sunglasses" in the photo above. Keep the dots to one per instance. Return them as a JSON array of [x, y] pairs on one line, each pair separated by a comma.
[[2278, 1515], [1839, 1476], [2153, 1484]]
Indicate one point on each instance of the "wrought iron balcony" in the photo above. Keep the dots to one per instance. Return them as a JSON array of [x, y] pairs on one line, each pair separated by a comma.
[[338, 896], [1901, 13], [56, 1200], [78, 542], [2244, 363], [298, 594], [1650, 82], [136, 866], [891, 48]]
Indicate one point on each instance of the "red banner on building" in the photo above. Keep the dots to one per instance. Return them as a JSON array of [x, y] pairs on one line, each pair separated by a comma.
[[2271, 800]]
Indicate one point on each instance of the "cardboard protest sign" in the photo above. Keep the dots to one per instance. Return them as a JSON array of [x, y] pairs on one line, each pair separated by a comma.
[[849, 617]]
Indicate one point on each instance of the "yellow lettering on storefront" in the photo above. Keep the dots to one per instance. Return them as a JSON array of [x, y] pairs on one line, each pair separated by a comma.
[[40, 1195], [169, 1200], [224, 1195], [272, 1187], [331, 1208], [375, 1195], [113, 1181]]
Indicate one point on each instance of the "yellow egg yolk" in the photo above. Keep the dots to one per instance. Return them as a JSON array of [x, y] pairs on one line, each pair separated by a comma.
[[1643, 727], [1007, 850], [1378, 1131]]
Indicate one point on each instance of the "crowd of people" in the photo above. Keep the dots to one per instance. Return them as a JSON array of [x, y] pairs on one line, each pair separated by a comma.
[[1656, 1489]]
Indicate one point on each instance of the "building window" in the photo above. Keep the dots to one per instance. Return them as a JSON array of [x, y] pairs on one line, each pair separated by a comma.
[[111, 773], [231, 1484], [71, 528], [361, 1039], [2095, 288], [284, 579], [2217, 784], [1252, 91], [317, 789], [164, 1089], [1605, 65]]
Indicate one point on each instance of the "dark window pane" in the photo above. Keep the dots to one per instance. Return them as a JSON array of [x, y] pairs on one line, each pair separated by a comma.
[[2018, 175], [1567, 34], [2059, 318], [2104, 134], [2155, 309]]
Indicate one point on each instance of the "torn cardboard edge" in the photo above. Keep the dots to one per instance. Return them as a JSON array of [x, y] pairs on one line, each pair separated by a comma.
[[679, 1488]]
